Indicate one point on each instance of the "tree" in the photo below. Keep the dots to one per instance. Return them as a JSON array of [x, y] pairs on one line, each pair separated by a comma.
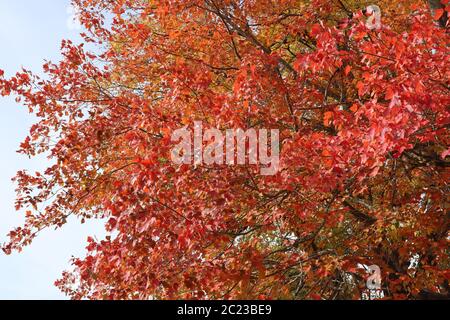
[[363, 116]]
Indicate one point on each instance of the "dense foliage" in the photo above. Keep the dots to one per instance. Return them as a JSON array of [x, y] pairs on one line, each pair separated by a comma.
[[364, 121]]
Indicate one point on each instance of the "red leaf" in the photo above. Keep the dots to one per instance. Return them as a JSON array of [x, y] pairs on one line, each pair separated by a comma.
[[361, 89], [315, 296], [438, 14], [347, 70], [389, 94]]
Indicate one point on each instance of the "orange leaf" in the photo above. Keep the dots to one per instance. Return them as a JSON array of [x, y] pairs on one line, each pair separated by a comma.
[[327, 118]]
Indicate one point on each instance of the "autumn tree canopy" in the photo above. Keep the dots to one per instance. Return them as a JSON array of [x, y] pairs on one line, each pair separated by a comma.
[[363, 115]]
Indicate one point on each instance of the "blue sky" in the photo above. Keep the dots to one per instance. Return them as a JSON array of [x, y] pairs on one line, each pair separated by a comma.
[[31, 31]]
